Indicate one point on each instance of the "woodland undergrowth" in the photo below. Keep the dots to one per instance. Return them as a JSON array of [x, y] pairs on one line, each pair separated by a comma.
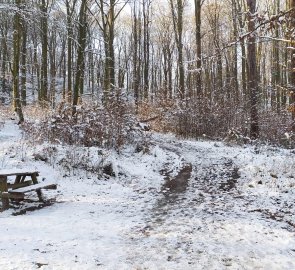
[[109, 125]]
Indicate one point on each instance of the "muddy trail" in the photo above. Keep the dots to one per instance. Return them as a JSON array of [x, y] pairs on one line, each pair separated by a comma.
[[208, 183], [197, 183], [202, 214]]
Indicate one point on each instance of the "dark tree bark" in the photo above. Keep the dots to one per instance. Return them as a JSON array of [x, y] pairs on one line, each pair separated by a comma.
[[70, 10], [177, 16], [235, 56], [252, 72], [52, 45], [136, 32], [44, 44], [292, 101], [199, 47], [82, 33], [24, 64], [276, 74], [243, 51], [146, 47], [108, 29], [17, 37], [4, 35]]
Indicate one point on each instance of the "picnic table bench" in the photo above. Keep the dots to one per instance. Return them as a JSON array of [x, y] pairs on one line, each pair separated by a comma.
[[20, 186]]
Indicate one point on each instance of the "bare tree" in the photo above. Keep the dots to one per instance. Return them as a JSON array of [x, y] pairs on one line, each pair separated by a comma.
[[136, 64], [146, 45], [70, 7], [252, 71], [44, 44], [17, 39], [292, 26], [82, 33], [23, 67], [177, 9], [198, 6], [106, 23]]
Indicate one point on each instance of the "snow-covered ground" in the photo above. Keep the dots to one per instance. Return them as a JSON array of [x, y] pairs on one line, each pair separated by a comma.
[[227, 207]]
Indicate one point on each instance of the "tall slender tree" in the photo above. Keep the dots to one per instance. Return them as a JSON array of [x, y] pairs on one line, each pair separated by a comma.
[[292, 26], [136, 33], [107, 25], [146, 46], [17, 40], [252, 71], [70, 8], [82, 33], [177, 9], [235, 53], [198, 5], [44, 44], [23, 67]]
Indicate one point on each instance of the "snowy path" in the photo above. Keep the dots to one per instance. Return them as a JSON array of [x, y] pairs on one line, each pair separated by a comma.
[[212, 225], [214, 222]]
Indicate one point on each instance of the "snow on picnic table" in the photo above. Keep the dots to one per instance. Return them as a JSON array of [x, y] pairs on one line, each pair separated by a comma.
[[12, 171], [235, 212]]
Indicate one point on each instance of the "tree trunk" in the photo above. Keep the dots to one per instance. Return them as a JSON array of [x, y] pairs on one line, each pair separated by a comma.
[[292, 101], [243, 53], [82, 32], [199, 47], [252, 72], [135, 61], [52, 60], [4, 33], [146, 47], [70, 10], [108, 24], [17, 36], [44, 45], [23, 65], [177, 16], [235, 56]]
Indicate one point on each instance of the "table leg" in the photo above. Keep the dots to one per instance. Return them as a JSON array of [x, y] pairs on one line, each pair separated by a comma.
[[17, 179], [40, 197], [34, 178], [4, 188], [23, 179]]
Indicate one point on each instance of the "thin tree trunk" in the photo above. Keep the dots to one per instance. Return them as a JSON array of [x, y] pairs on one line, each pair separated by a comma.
[[235, 56], [24, 65], [146, 47], [52, 61], [4, 32], [292, 101], [17, 36], [82, 32], [199, 47], [44, 57], [177, 16], [243, 53], [252, 72], [135, 62], [70, 10]]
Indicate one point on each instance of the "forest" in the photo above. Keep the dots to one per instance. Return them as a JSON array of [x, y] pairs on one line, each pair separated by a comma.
[[147, 134], [202, 68]]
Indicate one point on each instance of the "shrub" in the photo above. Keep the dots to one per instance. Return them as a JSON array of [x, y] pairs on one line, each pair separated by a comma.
[[110, 125]]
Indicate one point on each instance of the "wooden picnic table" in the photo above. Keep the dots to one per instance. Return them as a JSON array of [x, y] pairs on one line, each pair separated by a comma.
[[20, 185]]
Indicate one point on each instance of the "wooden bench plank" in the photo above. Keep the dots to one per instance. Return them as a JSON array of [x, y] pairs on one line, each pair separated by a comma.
[[7, 195], [20, 185], [33, 188]]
